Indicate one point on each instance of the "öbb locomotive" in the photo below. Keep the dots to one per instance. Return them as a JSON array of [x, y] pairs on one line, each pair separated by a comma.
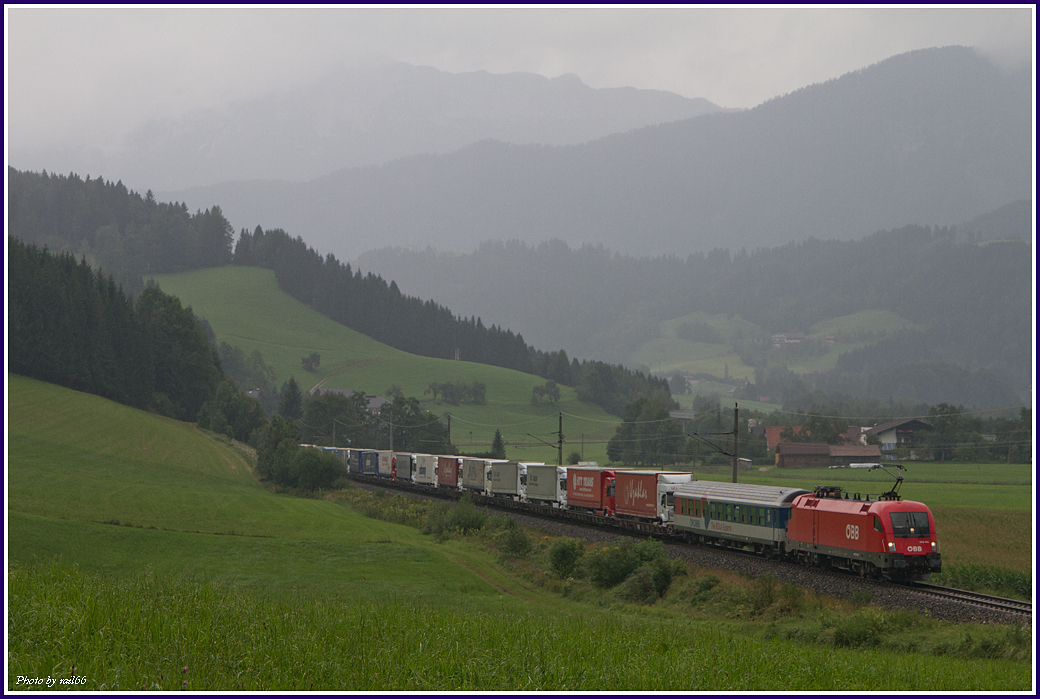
[[881, 537]]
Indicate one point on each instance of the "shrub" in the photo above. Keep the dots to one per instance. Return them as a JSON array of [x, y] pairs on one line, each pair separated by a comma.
[[316, 470], [792, 596], [640, 586], [564, 555], [515, 541], [460, 518], [763, 592], [862, 630], [610, 565]]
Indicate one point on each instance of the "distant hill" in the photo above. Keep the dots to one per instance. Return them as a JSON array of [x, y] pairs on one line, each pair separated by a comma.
[[944, 300], [365, 115], [1012, 221], [936, 136]]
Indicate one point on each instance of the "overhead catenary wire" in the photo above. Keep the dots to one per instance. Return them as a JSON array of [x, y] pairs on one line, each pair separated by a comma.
[[980, 411]]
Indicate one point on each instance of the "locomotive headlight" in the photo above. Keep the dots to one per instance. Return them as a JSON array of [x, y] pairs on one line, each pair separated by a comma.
[[934, 547], [892, 546]]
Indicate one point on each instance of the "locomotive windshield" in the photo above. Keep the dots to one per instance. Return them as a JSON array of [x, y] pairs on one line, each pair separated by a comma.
[[910, 524]]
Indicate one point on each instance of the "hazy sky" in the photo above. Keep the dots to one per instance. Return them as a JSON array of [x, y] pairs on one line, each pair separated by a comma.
[[89, 75]]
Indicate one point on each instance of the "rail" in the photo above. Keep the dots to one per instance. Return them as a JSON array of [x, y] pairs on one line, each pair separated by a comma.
[[1012, 606]]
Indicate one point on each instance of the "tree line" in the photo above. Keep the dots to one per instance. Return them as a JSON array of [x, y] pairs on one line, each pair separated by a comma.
[[649, 437], [124, 233]]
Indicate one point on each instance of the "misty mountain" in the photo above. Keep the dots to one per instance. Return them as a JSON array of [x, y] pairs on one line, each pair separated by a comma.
[[1012, 221], [368, 115], [935, 136]]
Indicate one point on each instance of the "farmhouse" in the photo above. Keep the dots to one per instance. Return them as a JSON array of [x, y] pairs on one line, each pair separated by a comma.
[[803, 455], [900, 434], [823, 455], [787, 338]]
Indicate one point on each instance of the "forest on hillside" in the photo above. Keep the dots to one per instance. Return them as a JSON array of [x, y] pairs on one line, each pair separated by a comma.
[[128, 236]]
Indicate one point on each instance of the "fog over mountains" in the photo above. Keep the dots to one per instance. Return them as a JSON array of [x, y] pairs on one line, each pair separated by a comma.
[[364, 115], [936, 137]]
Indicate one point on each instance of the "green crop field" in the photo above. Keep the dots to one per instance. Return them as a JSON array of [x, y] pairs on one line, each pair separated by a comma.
[[246, 308], [976, 486], [143, 554]]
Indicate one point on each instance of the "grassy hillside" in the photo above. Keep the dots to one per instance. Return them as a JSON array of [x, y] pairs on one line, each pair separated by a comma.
[[246, 308], [117, 490], [667, 353]]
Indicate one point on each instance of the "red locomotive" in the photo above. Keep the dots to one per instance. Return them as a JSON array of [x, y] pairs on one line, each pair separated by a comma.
[[887, 536]]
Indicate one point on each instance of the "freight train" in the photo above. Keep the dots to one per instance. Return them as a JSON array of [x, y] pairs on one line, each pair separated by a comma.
[[883, 537]]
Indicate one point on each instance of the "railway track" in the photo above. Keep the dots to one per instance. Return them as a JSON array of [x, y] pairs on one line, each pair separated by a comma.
[[1012, 606]]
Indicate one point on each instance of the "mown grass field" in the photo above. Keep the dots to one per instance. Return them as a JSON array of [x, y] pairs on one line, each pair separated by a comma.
[[176, 570], [973, 486], [246, 308]]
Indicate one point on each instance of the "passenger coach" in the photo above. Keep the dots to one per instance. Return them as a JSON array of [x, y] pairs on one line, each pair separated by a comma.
[[756, 515]]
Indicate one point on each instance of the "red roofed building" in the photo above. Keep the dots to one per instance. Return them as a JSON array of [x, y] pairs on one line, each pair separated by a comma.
[[823, 455], [773, 434]]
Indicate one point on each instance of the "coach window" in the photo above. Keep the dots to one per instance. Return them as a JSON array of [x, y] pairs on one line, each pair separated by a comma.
[[729, 512]]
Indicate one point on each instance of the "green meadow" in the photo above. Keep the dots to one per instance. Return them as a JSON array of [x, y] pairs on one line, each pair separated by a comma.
[[143, 554], [974, 486], [117, 490], [666, 353], [246, 308]]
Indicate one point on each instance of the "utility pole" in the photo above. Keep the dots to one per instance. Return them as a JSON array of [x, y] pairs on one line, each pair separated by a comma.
[[736, 442], [391, 430], [559, 456]]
